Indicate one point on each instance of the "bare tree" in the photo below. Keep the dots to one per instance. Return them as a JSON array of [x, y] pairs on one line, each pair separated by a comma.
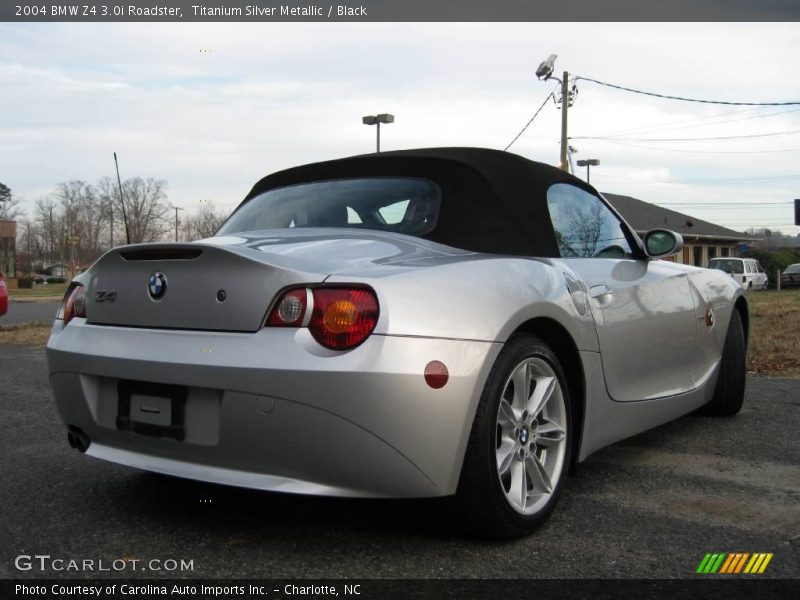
[[29, 243], [91, 222], [47, 225], [79, 221], [108, 197], [79, 234], [203, 224], [146, 208]]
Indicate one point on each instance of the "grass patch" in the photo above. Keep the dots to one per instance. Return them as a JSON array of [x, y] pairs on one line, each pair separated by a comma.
[[775, 332], [28, 334], [51, 290]]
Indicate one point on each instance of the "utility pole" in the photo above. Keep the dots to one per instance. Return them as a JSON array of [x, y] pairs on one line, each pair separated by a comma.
[[564, 108], [177, 208], [30, 250], [545, 72], [111, 208]]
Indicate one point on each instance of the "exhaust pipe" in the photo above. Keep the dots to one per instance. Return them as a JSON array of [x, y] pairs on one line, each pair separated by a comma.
[[78, 439]]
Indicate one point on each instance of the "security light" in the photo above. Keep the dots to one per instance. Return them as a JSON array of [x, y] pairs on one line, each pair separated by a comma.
[[545, 70]]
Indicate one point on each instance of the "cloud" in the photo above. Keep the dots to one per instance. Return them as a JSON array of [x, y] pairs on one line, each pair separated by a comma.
[[262, 97]]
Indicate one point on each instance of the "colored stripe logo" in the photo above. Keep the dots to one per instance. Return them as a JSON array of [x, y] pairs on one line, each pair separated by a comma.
[[734, 563]]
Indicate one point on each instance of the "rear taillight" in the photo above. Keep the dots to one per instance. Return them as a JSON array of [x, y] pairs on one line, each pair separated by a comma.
[[341, 317], [74, 303], [290, 310]]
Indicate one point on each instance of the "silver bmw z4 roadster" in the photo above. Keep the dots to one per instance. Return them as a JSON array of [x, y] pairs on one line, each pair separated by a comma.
[[441, 322]]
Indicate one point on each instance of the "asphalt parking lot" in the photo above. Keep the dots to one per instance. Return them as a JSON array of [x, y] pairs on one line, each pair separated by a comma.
[[25, 312], [651, 506]]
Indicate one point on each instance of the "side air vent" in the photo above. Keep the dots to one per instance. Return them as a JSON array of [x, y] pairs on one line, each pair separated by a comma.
[[162, 254]]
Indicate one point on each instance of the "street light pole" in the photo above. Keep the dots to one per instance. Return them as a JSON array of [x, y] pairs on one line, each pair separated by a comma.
[[590, 162], [377, 120]]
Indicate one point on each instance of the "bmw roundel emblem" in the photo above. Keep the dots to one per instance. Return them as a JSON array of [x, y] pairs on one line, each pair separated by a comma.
[[157, 285]]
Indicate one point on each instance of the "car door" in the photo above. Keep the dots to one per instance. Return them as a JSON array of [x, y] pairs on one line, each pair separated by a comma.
[[760, 277], [643, 309], [747, 274]]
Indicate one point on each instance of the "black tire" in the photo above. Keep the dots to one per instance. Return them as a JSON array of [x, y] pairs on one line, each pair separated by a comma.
[[481, 504], [732, 378]]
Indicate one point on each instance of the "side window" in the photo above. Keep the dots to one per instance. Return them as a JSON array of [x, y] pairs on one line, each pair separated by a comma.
[[584, 226]]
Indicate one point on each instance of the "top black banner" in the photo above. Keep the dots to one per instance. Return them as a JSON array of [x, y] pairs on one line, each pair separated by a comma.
[[397, 10]]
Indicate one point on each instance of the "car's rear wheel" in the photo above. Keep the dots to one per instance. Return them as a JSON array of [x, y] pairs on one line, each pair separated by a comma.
[[729, 392], [519, 448]]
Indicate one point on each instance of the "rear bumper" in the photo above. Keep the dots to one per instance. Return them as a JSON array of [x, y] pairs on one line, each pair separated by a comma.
[[274, 410]]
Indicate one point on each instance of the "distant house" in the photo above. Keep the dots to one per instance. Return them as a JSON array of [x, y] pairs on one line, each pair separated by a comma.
[[702, 240], [56, 270]]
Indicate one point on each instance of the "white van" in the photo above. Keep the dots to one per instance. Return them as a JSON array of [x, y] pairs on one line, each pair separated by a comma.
[[747, 271]]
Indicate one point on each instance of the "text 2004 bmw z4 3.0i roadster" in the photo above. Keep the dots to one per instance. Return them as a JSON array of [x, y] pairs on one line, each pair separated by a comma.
[[441, 322]]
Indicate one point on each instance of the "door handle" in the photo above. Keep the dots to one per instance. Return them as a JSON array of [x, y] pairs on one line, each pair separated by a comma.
[[602, 295]]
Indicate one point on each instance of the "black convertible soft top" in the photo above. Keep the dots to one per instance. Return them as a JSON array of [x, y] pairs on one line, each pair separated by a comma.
[[492, 201]]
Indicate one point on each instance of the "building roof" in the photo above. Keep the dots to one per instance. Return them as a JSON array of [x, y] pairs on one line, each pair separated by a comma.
[[643, 216]]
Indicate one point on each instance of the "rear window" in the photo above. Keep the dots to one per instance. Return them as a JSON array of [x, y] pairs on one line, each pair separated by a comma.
[[403, 205], [728, 265], [793, 269]]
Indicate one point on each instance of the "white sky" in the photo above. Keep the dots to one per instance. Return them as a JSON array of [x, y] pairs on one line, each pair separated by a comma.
[[266, 96]]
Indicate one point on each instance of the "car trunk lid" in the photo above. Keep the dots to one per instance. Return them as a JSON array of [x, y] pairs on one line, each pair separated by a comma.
[[188, 286]]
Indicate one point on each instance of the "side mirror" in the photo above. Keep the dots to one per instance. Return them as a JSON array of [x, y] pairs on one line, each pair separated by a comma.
[[662, 242]]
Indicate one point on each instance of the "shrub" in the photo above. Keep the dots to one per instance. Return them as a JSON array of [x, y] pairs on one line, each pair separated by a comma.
[[772, 261]]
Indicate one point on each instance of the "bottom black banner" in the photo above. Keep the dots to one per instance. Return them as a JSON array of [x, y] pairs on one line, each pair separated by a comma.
[[388, 589]]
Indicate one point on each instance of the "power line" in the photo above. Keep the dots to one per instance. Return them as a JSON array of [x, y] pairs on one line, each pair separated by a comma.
[[686, 151], [699, 139], [550, 95], [762, 179], [722, 204], [682, 121], [715, 208], [668, 97], [720, 119], [710, 181]]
